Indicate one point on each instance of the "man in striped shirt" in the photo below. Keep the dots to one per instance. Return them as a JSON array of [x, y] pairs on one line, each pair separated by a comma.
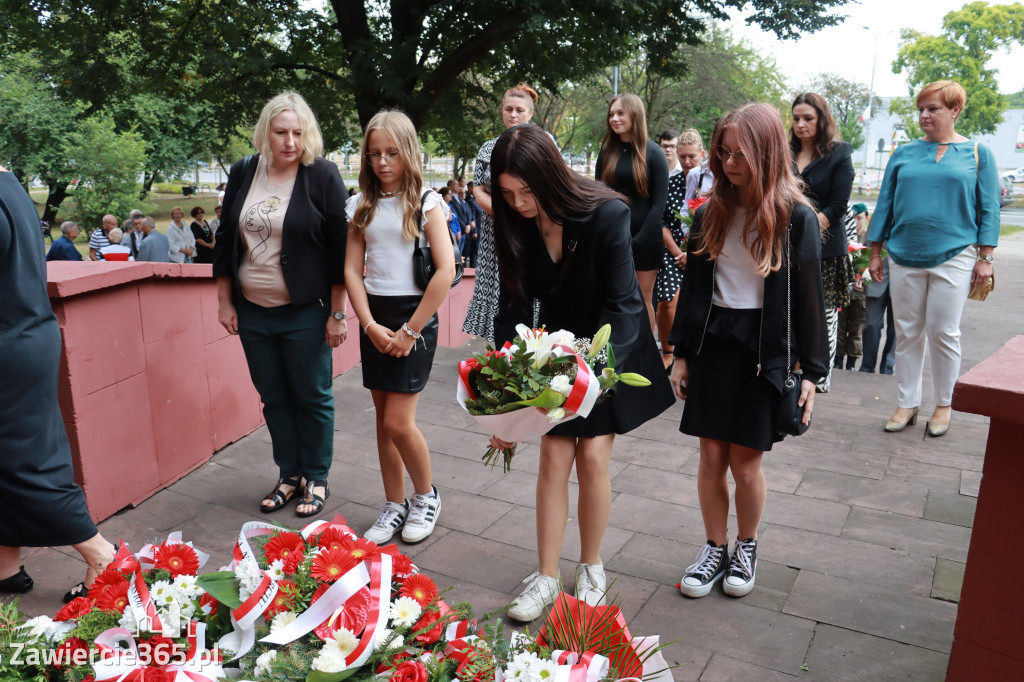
[[98, 239]]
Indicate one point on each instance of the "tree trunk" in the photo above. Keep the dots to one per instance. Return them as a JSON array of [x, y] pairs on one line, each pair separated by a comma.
[[147, 184], [58, 193]]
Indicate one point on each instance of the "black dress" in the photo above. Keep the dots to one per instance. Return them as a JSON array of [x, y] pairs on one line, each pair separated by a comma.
[[594, 284], [645, 211], [201, 230], [42, 505]]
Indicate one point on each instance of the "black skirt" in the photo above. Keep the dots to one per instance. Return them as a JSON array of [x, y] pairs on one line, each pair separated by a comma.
[[725, 398], [397, 375]]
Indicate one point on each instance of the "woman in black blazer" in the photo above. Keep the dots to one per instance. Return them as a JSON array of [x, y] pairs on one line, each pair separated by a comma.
[[823, 161], [636, 167], [279, 261], [564, 239]]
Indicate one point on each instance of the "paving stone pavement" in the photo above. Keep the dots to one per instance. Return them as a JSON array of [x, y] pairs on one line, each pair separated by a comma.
[[862, 548]]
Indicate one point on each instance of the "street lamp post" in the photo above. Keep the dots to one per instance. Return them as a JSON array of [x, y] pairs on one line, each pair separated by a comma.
[[871, 98]]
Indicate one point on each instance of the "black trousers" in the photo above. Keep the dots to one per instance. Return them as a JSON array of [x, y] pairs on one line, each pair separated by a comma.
[[877, 309]]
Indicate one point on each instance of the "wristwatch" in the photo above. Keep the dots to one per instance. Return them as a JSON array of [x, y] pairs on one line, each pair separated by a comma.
[[986, 258], [338, 315]]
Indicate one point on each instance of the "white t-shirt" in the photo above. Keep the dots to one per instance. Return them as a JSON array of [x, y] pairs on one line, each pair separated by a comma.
[[388, 252], [737, 284]]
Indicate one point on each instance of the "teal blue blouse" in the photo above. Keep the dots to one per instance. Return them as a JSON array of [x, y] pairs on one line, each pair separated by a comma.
[[928, 212]]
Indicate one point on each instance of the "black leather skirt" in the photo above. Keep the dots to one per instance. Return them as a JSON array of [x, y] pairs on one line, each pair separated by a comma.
[[397, 375]]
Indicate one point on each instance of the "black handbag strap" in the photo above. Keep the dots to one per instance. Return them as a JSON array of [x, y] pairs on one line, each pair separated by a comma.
[[423, 202]]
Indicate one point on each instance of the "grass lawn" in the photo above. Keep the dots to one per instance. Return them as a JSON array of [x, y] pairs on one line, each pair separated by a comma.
[[1007, 230]]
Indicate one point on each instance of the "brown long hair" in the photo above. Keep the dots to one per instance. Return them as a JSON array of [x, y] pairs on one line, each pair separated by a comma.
[[774, 188], [827, 134], [634, 106], [400, 128], [527, 153]]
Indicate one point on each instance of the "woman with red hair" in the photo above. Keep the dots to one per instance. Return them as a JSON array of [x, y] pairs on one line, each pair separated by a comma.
[[751, 308]]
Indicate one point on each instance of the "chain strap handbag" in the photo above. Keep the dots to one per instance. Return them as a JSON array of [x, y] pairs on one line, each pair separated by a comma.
[[422, 262], [789, 417]]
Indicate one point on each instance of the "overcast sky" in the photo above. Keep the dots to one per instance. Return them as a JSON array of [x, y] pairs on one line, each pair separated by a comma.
[[847, 49]]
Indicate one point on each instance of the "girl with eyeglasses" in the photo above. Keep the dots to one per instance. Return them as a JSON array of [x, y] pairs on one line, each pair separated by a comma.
[[398, 320], [732, 337]]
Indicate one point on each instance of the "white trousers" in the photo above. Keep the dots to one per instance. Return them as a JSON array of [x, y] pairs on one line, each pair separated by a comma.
[[927, 304]]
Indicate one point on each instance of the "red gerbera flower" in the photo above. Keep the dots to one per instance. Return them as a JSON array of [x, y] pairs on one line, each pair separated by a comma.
[[74, 609], [284, 600], [694, 204], [331, 565], [111, 576], [361, 549], [179, 559], [401, 565], [282, 546], [331, 538], [419, 587], [112, 597]]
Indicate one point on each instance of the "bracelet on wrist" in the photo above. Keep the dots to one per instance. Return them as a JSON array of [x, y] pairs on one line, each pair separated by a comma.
[[875, 256], [369, 324], [415, 336]]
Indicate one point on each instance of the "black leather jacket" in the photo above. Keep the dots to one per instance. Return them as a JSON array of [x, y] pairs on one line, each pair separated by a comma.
[[809, 343]]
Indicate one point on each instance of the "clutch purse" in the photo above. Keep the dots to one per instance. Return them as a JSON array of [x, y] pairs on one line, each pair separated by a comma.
[[980, 292], [789, 418]]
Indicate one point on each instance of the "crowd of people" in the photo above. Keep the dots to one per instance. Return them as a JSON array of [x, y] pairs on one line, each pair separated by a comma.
[[733, 262], [178, 243]]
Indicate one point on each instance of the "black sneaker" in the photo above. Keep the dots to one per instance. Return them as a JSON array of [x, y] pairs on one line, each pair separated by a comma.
[[708, 569], [740, 579]]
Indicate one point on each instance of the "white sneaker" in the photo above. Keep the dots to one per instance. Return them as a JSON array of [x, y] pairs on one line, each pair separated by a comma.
[[540, 592], [591, 585], [423, 513], [392, 516]]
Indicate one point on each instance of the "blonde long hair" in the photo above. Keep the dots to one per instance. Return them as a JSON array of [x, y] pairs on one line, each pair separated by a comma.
[[400, 128], [634, 106], [774, 189]]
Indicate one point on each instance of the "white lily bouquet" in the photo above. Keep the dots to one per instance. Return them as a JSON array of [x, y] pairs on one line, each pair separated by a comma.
[[525, 389]]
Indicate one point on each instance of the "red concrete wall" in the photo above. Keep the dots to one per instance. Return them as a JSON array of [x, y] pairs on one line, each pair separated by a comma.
[[151, 384], [987, 636]]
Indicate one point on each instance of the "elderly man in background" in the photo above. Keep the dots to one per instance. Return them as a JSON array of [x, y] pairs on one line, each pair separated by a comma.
[[98, 239], [155, 247], [132, 229], [64, 247]]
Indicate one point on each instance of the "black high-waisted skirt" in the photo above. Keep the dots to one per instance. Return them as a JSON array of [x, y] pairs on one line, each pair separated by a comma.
[[397, 375]]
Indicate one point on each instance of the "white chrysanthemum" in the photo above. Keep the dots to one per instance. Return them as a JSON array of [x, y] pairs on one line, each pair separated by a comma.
[[396, 642], [163, 592], [329, 660], [37, 628], [249, 577], [58, 631], [405, 611], [264, 662], [128, 621], [281, 620], [187, 586], [543, 669], [344, 641], [276, 570], [188, 609]]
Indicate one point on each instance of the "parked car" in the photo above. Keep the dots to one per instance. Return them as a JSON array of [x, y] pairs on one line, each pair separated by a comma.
[[1005, 191], [1016, 175]]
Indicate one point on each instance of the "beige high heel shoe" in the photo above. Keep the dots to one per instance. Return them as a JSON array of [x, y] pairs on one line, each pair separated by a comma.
[[893, 426]]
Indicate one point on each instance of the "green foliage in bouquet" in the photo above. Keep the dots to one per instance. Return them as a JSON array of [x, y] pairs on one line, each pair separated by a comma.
[[10, 621]]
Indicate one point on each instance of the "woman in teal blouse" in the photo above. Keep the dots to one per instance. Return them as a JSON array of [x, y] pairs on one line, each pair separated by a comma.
[[938, 209]]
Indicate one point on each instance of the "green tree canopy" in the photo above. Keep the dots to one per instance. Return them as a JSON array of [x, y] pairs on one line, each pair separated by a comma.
[[969, 37]]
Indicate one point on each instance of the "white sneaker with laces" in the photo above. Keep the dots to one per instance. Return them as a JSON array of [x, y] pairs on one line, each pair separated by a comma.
[[739, 581], [392, 516], [540, 592], [591, 585], [423, 513]]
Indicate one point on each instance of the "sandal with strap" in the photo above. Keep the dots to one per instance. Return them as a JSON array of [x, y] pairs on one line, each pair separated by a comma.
[[309, 498], [80, 590], [19, 583], [277, 497]]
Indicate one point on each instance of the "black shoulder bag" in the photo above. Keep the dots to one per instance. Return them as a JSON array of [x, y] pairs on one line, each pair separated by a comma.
[[422, 263], [789, 417]]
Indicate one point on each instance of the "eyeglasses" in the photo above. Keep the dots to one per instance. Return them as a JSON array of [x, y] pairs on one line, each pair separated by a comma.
[[387, 156], [724, 155]]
